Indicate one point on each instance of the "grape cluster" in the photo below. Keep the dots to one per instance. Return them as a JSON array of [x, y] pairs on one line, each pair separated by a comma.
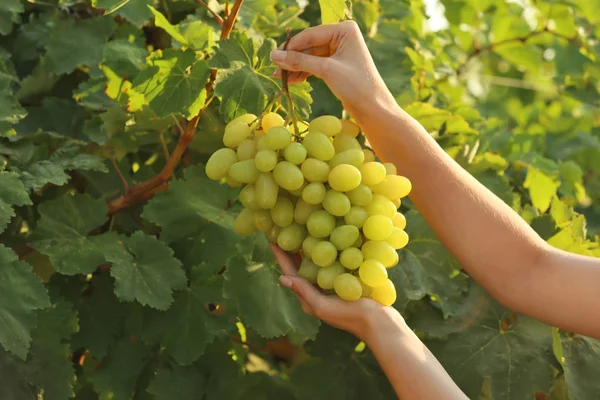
[[319, 192]]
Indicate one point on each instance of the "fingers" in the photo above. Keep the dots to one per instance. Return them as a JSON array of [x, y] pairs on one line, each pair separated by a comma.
[[301, 62], [288, 264], [308, 295], [319, 36]]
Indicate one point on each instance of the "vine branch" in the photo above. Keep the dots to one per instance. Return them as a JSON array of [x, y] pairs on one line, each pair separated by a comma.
[[214, 14], [285, 89], [147, 189]]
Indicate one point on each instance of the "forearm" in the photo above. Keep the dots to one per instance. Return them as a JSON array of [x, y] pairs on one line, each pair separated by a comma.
[[488, 238], [410, 367]]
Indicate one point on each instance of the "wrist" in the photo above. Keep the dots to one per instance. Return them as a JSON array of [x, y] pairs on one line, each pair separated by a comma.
[[381, 323]]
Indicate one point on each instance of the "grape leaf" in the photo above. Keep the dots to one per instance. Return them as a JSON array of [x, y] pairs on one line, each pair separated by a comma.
[[188, 326], [252, 284], [21, 293], [245, 81], [116, 379], [337, 371], [426, 268], [48, 364], [135, 11], [332, 11], [174, 83], [14, 385], [579, 357], [194, 218], [265, 386], [9, 14], [123, 57], [483, 340], [62, 233], [55, 116], [196, 35], [100, 317], [542, 188], [182, 383], [12, 193], [145, 270], [433, 119], [77, 42]]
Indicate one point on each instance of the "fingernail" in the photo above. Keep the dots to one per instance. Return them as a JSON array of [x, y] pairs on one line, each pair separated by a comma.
[[278, 55], [285, 281]]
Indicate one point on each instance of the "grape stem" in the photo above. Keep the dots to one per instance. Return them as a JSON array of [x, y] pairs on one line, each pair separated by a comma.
[[285, 88]]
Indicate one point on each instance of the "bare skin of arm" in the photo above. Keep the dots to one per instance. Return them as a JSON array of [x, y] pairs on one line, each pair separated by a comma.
[[491, 241]]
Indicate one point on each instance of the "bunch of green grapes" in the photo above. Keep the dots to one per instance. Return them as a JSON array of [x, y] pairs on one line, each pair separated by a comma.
[[319, 193]]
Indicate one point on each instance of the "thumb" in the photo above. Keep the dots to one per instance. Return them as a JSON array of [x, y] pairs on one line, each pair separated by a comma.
[[297, 61], [303, 289]]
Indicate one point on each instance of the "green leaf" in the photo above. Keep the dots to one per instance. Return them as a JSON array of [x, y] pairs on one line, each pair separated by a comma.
[[522, 56], [124, 58], [193, 213], [117, 378], [48, 364], [181, 383], [12, 193], [332, 11], [542, 188], [9, 14], [77, 42], [433, 119], [252, 284], [21, 293], [145, 270], [62, 233], [426, 268], [100, 317], [483, 340], [579, 357], [135, 11], [56, 116], [188, 325], [174, 83]]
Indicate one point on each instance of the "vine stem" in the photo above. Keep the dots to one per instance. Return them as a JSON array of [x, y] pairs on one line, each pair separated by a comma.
[[285, 88], [147, 189], [217, 16]]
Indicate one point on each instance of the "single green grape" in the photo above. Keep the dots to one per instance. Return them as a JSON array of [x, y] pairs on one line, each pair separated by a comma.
[[320, 224], [263, 220], [221, 160], [385, 294], [336, 203], [361, 196], [393, 187], [291, 237], [399, 221], [244, 171], [327, 124], [372, 173], [308, 270], [359, 241], [278, 138], [308, 244], [265, 160], [282, 212], [347, 287], [398, 238], [397, 203], [377, 227], [369, 155], [266, 190], [244, 223], [232, 182], [260, 142], [246, 150], [356, 216], [344, 141], [373, 273], [344, 178], [323, 253], [295, 153], [314, 193], [235, 133], [248, 119], [351, 258], [380, 205], [344, 236], [303, 211], [248, 197], [380, 251], [271, 120], [353, 157], [390, 168], [326, 276], [315, 170], [319, 146], [288, 176], [366, 289], [349, 128]]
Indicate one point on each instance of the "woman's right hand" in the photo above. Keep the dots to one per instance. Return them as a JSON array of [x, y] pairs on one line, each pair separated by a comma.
[[338, 54]]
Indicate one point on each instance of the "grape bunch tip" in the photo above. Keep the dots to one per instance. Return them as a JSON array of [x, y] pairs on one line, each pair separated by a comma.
[[320, 193]]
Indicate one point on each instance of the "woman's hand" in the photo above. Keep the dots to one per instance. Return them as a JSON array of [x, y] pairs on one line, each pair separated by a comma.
[[337, 54], [361, 318]]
